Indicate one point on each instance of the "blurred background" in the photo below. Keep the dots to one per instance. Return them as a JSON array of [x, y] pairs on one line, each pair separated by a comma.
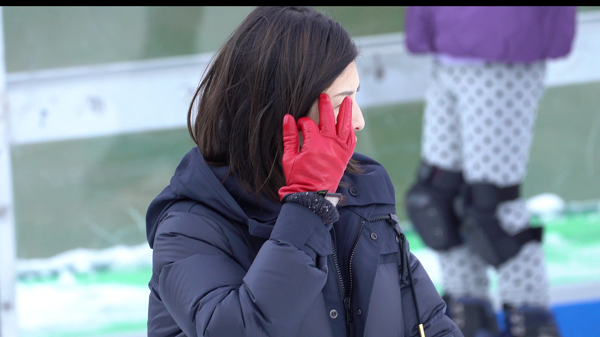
[[97, 99]]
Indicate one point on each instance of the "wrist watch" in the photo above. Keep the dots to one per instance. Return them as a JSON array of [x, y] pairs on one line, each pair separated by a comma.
[[333, 198]]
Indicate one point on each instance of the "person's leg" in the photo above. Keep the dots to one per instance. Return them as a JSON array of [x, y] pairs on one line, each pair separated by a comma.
[[463, 272], [497, 138], [441, 142]]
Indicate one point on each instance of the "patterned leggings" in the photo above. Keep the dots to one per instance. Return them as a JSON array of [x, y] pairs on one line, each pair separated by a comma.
[[479, 119]]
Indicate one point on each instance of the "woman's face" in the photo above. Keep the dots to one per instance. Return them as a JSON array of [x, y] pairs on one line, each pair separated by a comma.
[[346, 84]]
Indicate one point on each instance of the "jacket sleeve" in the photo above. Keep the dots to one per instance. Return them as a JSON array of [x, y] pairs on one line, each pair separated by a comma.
[[208, 293], [431, 306]]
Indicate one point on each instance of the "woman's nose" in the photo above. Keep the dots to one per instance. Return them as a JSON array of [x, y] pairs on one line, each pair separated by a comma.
[[358, 121]]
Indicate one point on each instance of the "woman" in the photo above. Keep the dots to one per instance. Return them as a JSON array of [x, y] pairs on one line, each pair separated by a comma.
[[247, 237]]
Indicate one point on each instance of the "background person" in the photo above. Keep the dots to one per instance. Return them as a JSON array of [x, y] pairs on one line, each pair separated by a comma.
[[487, 80]]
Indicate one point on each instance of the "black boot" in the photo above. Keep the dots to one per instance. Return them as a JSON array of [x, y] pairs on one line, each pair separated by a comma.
[[529, 321], [475, 317]]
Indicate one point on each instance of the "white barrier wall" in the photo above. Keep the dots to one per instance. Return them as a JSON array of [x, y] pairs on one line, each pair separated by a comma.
[[8, 316], [154, 94]]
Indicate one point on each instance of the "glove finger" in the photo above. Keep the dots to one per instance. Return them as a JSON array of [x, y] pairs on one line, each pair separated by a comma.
[[326, 115], [290, 138], [344, 120], [308, 128]]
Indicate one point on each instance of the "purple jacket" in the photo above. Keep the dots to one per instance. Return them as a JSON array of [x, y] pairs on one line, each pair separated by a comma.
[[509, 34]]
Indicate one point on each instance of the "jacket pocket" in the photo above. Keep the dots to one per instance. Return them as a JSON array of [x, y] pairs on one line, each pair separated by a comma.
[[389, 253], [385, 309], [390, 249]]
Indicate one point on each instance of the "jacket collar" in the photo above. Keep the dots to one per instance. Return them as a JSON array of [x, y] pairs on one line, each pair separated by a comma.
[[194, 179], [372, 186]]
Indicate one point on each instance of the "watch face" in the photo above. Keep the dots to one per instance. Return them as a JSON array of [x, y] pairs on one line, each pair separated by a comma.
[[333, 198]]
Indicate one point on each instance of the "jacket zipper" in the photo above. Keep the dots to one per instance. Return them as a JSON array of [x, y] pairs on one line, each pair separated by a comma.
[[347, 296], [337, 268]]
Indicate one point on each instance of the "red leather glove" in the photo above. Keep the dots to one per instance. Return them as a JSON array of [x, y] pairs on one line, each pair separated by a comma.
[[326, 149]]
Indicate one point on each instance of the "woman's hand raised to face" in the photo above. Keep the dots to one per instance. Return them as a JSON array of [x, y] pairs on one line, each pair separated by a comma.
[[326, 149]]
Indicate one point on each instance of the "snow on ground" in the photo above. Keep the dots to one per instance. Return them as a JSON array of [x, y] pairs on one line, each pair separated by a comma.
[[46, 308], [429, 260], [84, 260], [52, 302], [546, 204]]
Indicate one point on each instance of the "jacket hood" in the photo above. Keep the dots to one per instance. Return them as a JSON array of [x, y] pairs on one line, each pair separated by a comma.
[[195, 180]]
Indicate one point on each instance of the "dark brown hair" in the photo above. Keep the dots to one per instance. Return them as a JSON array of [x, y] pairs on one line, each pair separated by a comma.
[[276, 62]]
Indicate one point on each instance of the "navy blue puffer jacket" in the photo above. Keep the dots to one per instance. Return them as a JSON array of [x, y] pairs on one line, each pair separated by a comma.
[[226, 265]]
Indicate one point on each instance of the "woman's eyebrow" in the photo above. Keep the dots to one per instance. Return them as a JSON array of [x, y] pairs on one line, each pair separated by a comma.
[[347, 93]]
